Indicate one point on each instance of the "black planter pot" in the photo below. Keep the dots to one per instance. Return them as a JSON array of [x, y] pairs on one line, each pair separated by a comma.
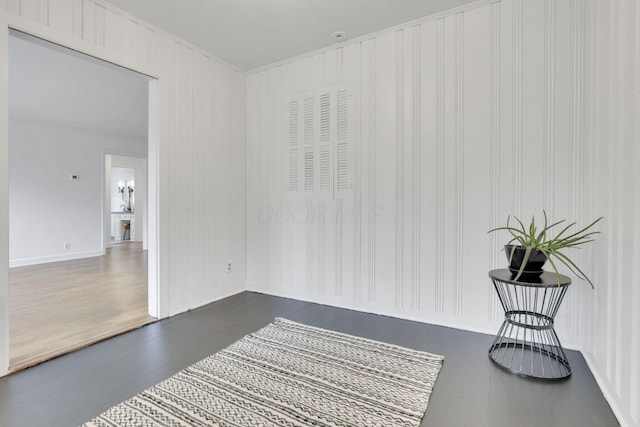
[[533, 267]]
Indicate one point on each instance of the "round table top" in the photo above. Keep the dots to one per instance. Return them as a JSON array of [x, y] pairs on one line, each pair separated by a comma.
[[546, 279]]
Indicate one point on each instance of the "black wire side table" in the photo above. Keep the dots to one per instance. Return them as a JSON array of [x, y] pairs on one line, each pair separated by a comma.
[[526, 343]]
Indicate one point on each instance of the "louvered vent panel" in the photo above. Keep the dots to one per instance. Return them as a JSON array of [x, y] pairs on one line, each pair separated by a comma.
[[308, 169], [293, 123], [319, 150], [343, 115], [325, 118], [294, 172], [325, 168], [344, 180], [308, 121]]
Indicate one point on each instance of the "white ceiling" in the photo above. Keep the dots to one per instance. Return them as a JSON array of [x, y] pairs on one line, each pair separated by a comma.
[[51, 84], [56, 85], [253, 33]]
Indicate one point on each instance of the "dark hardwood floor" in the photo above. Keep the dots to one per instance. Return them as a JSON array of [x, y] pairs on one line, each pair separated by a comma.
[[470, 390]]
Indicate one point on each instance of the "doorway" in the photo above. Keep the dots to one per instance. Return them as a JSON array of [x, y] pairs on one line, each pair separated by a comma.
[[125, 191], [63, 118]]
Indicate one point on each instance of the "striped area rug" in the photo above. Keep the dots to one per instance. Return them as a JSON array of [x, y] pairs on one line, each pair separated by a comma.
[[289, 374]]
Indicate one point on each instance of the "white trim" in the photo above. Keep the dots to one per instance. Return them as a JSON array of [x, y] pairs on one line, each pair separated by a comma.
[[390, 313], [610, 397], [9, 22], [4, 196], [182, 42], [27, 26], [53, 258]]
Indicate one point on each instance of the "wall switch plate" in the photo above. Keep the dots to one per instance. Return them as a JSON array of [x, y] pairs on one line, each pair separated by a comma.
[[67, 246], [228, 266]]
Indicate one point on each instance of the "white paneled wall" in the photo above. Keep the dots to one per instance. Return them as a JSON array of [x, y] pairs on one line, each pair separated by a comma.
[[459, 121], [612, 138], [200, 153], [505, 107]]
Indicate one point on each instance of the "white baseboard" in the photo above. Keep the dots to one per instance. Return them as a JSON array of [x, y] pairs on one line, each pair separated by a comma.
[[609, 396], [371, 310], [53, 258], [431, 320]]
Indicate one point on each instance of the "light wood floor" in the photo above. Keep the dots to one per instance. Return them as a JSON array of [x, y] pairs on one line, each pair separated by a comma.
[[59, 307]]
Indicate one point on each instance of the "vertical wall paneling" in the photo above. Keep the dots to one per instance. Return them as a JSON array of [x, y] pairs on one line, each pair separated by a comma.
[[121, 34], [549, 104], [363, 157], [532, 103], [77, 14], [13, 6], [42, 11], [352, 272], [36, 10], [457, 119], [560, 97], [634, 395], [386, 152], [183, 176], [62, 19], [475, 190], [338, 253], [399, 177], [616, 167], [426, 161], [576, 149], [608, 119], [624, 108], [277, 160], [504, 108], [28, 9], [199, 160], [146, 49], [374, 212], [458, 187], [494, 163], [417, 159], [450, 199], [93, 22], [439, 294], [517, 106]]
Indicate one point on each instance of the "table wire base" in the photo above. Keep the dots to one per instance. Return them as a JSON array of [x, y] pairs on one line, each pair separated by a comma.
[[526, 343]]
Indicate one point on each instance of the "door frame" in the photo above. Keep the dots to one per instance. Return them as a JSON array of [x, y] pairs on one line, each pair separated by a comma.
[[156, 306], [138, 163]]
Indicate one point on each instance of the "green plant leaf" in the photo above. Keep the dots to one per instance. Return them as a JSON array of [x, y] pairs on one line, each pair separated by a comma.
[[538, 237]]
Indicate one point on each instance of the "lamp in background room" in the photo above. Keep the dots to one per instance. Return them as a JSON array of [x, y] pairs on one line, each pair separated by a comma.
[[121, 188], [130, 187]]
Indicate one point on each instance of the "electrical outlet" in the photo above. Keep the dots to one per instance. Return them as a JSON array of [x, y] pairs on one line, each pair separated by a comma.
[[67, 246], [228, 266]]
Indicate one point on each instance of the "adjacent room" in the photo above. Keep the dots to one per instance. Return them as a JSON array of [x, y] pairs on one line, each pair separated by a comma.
[[69, 286], [310, 204]]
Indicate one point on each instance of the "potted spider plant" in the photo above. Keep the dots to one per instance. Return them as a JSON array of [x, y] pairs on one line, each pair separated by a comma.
[[531, 246]]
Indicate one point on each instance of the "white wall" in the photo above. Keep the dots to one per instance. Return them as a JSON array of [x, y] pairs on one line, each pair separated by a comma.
[[196, 153], [46, 207], [612, 140], [461, 120]]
